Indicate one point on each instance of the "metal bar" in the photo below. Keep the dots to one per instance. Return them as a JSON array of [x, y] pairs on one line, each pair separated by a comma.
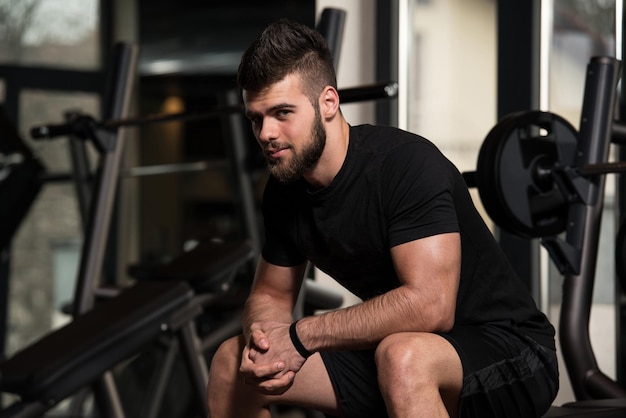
[[375, 91], [196, 363], [331, 25], [372, 92], [583, 233], [158, 169], [242, 175], [159, 384], [619, 132], [98, 226], [603, 168], [25, 409], [107, 397], [620, 285], [90, 270], [81, 172]]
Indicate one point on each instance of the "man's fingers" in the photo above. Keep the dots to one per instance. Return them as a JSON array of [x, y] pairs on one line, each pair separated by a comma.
[[271, 386], [277, 385], [262, 371], [259, 339]]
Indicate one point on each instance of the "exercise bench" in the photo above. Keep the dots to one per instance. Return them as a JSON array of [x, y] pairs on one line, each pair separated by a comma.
[[66, 360]]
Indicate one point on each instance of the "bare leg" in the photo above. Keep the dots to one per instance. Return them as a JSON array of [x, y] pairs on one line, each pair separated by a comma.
[[420, 375], [230, 397]]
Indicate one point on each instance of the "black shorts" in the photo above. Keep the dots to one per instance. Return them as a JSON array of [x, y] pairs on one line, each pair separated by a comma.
[[506, 374]]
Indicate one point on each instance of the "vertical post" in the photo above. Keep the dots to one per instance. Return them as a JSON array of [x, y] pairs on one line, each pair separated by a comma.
[[518, 90], [109, 143], [331, 25], [105, 184], [81, 172], [583, 233], [387, 57], [620, 206]]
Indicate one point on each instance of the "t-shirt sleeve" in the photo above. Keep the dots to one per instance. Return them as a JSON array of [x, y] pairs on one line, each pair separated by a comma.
[[417, 184], [277, 213]]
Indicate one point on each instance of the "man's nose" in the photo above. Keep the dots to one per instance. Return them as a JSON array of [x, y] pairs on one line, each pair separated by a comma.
[[268, 130]]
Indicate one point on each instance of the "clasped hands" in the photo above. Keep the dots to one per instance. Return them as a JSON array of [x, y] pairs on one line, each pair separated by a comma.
[[269, 360]]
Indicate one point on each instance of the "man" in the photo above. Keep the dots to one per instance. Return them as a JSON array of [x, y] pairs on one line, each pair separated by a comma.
[[445, 327]]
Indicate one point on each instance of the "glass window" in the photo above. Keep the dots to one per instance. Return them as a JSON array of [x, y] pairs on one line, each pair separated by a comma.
[[581, 29], [53, 33], [452, 76], [44, 251]]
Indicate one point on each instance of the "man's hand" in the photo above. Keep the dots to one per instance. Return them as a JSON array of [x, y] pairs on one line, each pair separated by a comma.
[[269, 360]]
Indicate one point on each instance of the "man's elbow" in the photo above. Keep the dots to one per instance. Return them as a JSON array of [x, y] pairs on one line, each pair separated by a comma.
[[443, 320], [446, 323]]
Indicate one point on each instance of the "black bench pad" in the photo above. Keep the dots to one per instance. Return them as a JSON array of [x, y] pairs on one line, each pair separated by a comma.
[[206, 268], [65, 360]]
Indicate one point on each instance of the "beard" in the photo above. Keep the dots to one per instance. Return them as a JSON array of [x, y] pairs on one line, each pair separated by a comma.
[[287, 171]]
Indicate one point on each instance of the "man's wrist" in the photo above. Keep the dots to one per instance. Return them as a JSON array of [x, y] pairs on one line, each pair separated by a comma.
[[297, 343]]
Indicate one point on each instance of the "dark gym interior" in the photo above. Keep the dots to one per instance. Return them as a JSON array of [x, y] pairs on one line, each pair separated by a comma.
[[100, 191]]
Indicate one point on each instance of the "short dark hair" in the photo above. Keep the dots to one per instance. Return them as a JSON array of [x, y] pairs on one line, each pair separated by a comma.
[[286, 47]]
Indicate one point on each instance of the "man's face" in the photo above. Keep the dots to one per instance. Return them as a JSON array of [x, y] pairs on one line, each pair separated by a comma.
[[288, 128]]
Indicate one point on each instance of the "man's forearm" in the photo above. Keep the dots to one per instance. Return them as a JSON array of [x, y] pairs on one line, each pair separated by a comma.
[[262, 307], [364, 325]]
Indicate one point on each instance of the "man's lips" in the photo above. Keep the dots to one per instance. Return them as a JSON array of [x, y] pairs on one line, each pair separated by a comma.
[[276, 152]]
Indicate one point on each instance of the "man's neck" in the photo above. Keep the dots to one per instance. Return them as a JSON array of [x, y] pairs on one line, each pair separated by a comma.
[[333, 157]]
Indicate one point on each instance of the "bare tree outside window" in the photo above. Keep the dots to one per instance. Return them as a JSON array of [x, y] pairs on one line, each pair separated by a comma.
[[59, 33]]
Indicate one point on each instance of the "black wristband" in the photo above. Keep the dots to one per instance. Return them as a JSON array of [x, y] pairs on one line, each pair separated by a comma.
[[295, 340]]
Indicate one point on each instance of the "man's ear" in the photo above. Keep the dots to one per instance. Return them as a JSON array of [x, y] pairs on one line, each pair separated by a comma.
[[329, 102]]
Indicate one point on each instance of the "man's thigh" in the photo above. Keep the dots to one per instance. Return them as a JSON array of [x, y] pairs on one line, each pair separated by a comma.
[[312, 389], [505, 375], [354, 374], [354, 378]]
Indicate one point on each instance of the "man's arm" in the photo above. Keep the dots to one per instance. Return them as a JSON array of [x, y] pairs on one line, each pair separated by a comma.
[[269, 360], [429, 271], [273, 295]]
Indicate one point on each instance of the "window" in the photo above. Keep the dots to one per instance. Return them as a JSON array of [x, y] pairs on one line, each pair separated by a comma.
[[50, 63], [50, 33], [451, 74]]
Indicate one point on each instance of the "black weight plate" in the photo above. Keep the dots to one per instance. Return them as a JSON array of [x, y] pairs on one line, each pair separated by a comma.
[[514, 172]]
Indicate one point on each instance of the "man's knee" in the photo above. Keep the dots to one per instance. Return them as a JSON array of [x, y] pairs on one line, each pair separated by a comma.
[[418, 356], [419, 364], [400, 351], [226, 360]]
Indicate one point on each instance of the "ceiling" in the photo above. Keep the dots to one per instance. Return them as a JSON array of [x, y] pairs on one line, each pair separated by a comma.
[[207, 36]]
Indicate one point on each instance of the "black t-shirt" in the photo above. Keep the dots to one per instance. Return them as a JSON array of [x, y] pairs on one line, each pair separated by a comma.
[[395, 187]]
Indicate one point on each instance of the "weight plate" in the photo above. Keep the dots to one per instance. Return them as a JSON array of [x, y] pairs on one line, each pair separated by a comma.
[[514, 173]]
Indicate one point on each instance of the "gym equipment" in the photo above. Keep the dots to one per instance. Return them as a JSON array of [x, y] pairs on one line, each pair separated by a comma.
[[620, 255], [331, 26], [82, 125], [20, 179], [92, 344], [20, 183], [518, 172], [538, 177], [103, 334], [527, 172]]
